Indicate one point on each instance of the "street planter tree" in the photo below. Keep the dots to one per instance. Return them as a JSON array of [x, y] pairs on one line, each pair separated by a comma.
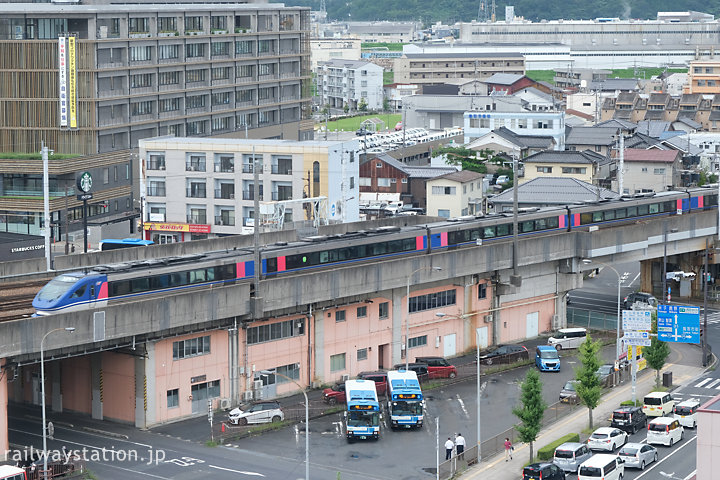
[[531, 410], [589, 388]]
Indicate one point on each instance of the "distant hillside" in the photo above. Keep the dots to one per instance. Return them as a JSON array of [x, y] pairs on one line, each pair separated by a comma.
[[429, 11]]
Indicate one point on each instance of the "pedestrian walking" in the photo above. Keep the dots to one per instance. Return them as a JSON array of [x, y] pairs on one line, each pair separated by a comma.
[[51, 431], [459, 444], [448, 448], [508, 449]]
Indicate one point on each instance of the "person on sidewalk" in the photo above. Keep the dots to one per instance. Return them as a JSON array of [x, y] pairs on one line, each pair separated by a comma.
[[459, 444], [448, 448], [508, 449]]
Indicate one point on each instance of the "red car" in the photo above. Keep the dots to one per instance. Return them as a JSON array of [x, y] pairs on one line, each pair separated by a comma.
[[438, 367], [334, 395]]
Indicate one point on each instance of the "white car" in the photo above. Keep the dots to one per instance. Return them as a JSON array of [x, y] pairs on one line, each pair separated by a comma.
[[607, 438], [260, 412]]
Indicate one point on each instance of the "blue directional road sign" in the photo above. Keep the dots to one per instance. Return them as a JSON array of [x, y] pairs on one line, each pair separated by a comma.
[[677, 323]]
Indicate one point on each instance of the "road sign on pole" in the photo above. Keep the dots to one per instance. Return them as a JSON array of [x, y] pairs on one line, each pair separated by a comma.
[[638, 342], [636, 320], [678, 323]]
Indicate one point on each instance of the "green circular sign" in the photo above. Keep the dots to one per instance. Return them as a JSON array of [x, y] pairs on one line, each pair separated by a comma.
[[84, 182]]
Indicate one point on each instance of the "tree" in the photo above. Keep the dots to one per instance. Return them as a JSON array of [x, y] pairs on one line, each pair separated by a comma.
[[463, 156], [589, 388], [656, 353], [386, 105], [532, 409], [346, 108], [362, 105]]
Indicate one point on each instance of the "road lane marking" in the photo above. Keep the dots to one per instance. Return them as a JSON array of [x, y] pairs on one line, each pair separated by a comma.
[[462, 405], [687, 442], [253, 474], [699, 385], [712, 385]]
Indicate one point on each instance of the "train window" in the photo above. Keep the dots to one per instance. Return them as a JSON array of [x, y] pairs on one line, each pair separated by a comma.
[[394, 246], [642, 210], [119, 288], [597, 217], [632, 212], [271, 265], [586, 218], [361, 251], [527, 226], [609, 214], [409, 245], [503, 230], [79, 292], [553, 222], [654, 208], [488, 232], [227, 272], [324, 257], [475, 234], [541, 224], [140, 285], [620, 213], [294, 261], [379, 249], [178, 279], [710, 200], [210, 274], [159, 282], [197, 276]]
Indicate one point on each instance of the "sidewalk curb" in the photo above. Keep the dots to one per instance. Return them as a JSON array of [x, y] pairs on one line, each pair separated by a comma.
[[121, 436]]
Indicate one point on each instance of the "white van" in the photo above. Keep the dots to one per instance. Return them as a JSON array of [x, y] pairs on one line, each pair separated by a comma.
[[602, 466], [568, 338], [657, 404], [665, 430], [686, 413]]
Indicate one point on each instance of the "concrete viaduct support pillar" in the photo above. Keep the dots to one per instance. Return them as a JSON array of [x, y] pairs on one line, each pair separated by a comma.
[[151, 394], [141, 399], [4, 443], [468, 322], [96, 385], [56, 388]]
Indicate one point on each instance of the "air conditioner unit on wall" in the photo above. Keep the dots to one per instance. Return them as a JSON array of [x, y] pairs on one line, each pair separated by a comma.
[[556, 322], [225, 403], [257, 384], [488, 318], [247, 395], [345, 377]]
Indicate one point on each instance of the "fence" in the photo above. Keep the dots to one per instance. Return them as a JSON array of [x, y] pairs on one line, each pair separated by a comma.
[[591, 320]]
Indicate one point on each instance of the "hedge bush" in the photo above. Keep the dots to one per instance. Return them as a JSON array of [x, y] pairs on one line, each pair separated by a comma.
[[548, 451]]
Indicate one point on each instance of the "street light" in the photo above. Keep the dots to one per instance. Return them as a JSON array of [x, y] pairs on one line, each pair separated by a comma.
[[407, 319], [307, 419], [617, 337], [479, 389], [42, 387]]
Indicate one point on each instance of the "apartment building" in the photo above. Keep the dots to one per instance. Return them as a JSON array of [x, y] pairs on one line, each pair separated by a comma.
[[702, 109], [455, 194], [439, 67], [92, 79], [548, 124], [350, 83], [703, 77], [197, 188]]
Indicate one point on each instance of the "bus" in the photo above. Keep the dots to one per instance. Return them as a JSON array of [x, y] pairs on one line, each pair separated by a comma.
[[362, 416], [8, 472], [405, 399], [114, 244]]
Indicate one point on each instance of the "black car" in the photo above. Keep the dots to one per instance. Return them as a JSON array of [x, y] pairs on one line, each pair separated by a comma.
[[421, 369], [505, 354], [629, 419], [543, 471]]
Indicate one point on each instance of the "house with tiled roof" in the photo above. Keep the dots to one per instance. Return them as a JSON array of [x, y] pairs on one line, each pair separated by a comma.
[[504, 140], [507, 82], [549, 192], [651, 170], [455, 194], [581, 165], [597, 139]]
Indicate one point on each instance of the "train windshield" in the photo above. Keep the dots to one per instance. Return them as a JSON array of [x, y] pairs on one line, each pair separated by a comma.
[[56, 288]]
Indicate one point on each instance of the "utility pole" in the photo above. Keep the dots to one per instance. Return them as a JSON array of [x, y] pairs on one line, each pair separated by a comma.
[[46, 206]]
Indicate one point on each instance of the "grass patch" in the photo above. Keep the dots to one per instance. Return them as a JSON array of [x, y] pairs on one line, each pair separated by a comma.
[[269, 427], [388, 77], [36, 156], [629, 403], [211, 443], [335, 409], [509, 366], [393, 47], [646, 73], [350, 124], [541, 75]]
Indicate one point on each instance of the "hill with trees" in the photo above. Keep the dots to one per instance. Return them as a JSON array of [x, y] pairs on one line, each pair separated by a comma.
[[448, 11]]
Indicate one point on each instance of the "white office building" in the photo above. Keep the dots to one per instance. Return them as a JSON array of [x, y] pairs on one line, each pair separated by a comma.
[[348, 82]]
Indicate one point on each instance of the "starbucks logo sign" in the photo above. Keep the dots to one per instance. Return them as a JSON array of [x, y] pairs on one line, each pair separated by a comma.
[[84, 182]]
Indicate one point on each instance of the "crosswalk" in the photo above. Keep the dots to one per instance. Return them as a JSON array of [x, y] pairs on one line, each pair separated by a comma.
[[711, 383]]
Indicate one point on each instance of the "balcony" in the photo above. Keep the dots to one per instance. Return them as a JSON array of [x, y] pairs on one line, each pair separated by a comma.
[[195, 167], [195, 193], [225, 221], [197, 219], [156, 191], [281, 170], [280, 196], [250, 195], [223, 168], [155, 165], [224, 194], [248, 168]]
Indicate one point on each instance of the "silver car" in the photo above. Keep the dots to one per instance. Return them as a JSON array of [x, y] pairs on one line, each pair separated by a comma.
[[638, 455], [570, 455]]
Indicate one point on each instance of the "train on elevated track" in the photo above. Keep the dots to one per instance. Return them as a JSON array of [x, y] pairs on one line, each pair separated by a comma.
[[99, 286]]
